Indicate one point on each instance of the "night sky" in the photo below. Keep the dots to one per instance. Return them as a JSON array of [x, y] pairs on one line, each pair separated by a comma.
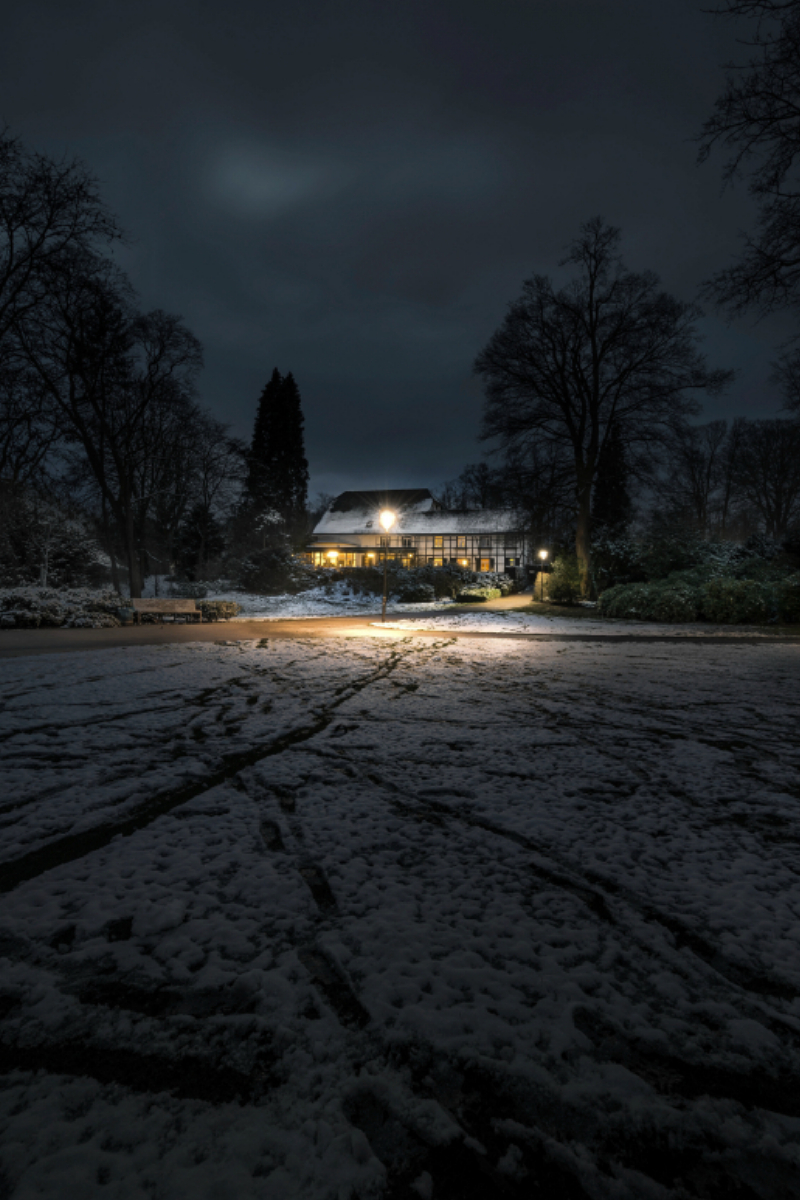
[[354, 191]]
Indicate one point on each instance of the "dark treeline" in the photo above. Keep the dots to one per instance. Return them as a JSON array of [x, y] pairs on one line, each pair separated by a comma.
[[593, 389], [101, 430], [591, 407]]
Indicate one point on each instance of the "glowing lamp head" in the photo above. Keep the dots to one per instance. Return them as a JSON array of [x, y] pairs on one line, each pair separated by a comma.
[[542, 555], [387, 519]]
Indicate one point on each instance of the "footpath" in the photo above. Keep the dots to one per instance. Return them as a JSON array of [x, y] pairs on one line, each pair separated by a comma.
[[16, 643]]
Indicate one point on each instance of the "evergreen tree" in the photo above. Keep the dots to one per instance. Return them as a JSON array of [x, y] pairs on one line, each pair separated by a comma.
[[611, 501], [277, 476]]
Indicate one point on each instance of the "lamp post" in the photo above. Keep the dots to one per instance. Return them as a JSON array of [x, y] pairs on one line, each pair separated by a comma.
[[543, 557], [387, 520]]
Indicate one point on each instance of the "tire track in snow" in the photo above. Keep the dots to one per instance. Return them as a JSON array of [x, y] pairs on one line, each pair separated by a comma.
[[597, 900], [76, 846]]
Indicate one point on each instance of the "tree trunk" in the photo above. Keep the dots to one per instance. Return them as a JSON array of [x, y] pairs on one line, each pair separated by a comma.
[[583, 535], [135, 575], [115, 583]]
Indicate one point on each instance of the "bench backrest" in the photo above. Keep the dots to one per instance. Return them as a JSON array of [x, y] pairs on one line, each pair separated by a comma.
[[164, 606]]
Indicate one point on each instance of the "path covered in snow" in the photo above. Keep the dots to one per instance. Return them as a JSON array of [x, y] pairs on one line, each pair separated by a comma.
[[421, 918]]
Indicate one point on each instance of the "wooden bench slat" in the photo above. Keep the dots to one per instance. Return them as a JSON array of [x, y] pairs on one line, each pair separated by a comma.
[[164, 606]]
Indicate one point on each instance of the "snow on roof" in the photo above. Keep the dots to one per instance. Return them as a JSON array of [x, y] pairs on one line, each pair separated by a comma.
[[412, 521]]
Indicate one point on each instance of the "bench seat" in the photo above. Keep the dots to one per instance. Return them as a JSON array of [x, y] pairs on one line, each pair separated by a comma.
[[166, 608]]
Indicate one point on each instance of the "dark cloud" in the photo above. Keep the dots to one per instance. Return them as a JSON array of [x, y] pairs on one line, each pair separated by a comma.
[[355, 191]]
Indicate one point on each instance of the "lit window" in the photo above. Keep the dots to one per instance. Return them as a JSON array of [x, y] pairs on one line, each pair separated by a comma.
[[437, 562], [437, 543]]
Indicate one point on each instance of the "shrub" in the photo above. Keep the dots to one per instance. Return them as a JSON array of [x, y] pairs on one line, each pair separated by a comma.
[[477, 595], [616, 560], [218, 610], [737, 601], [787, 595], [674, 600], [415, 593], [564, 582]]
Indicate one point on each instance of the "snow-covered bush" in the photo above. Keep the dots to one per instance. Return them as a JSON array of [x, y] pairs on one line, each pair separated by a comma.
[[723, 599], [218, 610], [35, 607], [477, 595], [616, 560], [415, 592], [737, 601], [564, 582]]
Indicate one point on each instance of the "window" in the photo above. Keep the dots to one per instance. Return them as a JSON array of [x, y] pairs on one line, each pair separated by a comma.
[[486, 540], [438, 543], [487, 564], [461, 543], [385, 541], [438, 562], [408, 541], [511, 540]]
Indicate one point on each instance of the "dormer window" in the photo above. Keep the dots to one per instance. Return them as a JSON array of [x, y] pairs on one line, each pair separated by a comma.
[[368, 524]]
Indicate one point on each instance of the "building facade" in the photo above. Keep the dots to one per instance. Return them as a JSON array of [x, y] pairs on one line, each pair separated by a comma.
[[349, 534]]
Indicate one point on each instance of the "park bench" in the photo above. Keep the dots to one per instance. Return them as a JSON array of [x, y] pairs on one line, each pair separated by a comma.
[[166, 608]]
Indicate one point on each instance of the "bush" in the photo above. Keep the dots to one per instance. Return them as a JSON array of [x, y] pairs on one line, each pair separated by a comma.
[[34, 607], [616, 560], [564, 582], [477, 595], [737, 601], [218, 610], [675, 600], [415, 593], [787, 595]]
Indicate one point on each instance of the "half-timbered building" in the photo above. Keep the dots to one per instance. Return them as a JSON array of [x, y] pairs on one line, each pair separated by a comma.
[[424, 533]]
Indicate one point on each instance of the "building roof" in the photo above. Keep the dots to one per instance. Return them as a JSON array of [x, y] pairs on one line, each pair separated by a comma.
[[419, 499], [357, 513]]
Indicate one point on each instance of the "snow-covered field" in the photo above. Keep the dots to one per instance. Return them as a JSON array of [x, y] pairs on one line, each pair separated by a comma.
[[404, 918], [336, 600]]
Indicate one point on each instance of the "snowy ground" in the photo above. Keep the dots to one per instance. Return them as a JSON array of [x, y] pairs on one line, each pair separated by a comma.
[[336, 600], [519, 621], [402, 918]]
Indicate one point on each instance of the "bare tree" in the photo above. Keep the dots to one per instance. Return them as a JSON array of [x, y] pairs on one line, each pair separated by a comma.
[[694, 481], [757, 120], [28, 434], [608, 348], [768, 472], [47, 209], [105, 368]]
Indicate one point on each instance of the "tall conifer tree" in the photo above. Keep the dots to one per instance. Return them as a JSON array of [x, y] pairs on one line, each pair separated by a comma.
[[277, 477]]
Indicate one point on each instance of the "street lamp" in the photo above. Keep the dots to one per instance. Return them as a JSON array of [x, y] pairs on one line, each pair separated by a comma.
[[387, 520], [543, 557]]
